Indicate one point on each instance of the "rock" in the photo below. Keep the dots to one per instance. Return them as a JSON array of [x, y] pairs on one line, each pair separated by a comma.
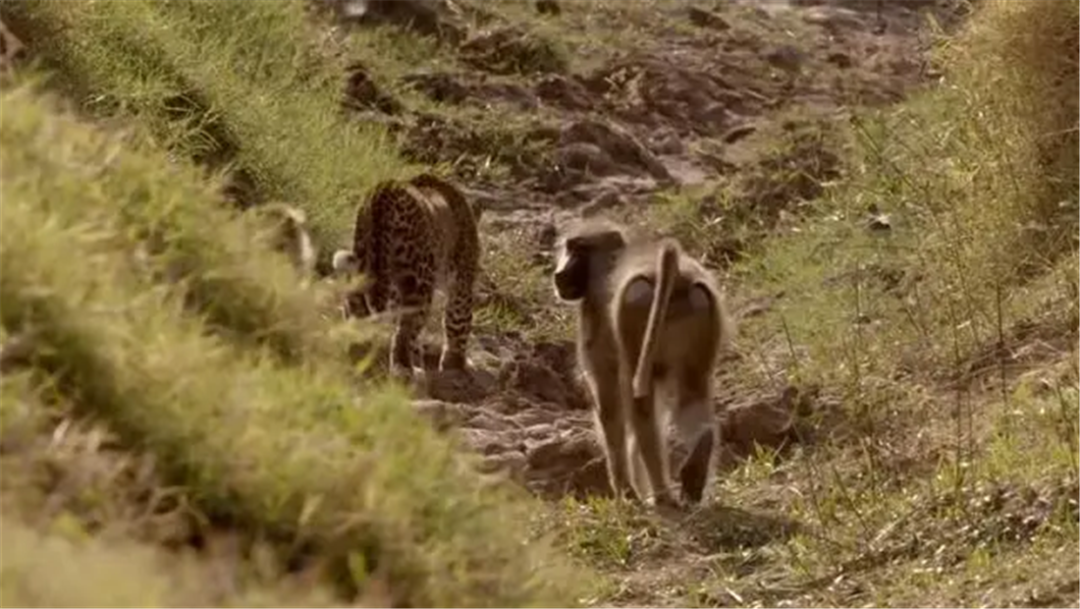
[[361, 92], [587, 158], [609, 199], [482, 441], [668, 143], [539, 380], [539, 431], [541, 454], [562, 91], [618, 144], [840, 60], [786, 57], [529, 419], [576, 468], [485, 421], [548, 7], [708, 19], [440, 87], [512, 462], [769, 422], [760, 423], [737, 133], [461, 386]]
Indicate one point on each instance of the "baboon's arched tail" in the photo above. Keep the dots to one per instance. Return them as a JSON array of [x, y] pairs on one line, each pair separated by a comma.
[[667, 268]]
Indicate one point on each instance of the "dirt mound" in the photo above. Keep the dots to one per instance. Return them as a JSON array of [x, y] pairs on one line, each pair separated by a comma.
[[772, 183], [459, 89], [433, 139], [512, 50], [618, 146], [361, 92], [598, 155], [566, 92], [656, 92], [775, 421]]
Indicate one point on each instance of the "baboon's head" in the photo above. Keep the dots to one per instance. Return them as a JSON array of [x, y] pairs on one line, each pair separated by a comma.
[[585, 251]]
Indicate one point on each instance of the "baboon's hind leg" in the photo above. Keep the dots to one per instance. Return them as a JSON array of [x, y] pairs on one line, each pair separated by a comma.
[[650, 441], [697, 429], [639, 476], [611, 426]]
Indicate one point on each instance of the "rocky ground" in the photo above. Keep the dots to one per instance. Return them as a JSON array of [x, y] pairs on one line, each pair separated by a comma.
[[549, 111]]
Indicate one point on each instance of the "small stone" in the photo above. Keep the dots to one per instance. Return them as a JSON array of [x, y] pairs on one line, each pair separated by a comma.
[[548, 7], [703, 18]]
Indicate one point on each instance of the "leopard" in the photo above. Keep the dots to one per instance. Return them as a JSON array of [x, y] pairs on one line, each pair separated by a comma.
[[410, 238]]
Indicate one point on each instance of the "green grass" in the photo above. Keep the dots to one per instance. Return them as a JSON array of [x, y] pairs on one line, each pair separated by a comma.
[[205, 81], [981, 223], [83, 521], [285, 448], [945, 470], [178, 357], [50, 570]]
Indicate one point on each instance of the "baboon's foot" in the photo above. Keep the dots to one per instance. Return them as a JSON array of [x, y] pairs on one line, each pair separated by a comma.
[[667, 502], [625, 491]]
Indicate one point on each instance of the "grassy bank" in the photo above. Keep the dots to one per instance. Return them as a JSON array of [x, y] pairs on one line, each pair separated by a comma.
[[77, 528], [959, 221], [241, 87], [284, 450]]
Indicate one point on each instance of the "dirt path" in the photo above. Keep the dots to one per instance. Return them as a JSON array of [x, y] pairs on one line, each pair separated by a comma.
[[646, 98]]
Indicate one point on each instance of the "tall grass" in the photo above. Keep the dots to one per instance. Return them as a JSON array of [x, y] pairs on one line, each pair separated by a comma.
[[930, 333], [289, 450], [978, 177], [245, 85], [51, 570]]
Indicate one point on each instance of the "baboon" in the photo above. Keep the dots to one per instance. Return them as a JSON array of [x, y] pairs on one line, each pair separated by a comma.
[[287, 233], [651, 326]]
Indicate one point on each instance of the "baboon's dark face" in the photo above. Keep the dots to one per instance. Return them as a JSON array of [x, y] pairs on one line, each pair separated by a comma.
[[572, 274], [578, 259]]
